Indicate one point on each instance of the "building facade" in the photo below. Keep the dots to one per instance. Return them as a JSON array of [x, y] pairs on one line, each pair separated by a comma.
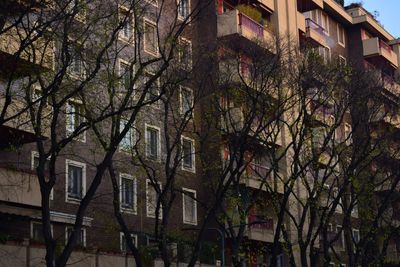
[[221, 54]]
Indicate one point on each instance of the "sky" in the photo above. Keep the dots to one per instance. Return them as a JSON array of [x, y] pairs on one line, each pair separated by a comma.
[[389, 13]]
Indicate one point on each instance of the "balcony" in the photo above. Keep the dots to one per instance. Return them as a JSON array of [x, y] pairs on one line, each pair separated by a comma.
[[19, 187], [36, 56], [260, 229], [18, 128], [241, 30], [307, 5], [316, 33], [376, 49], [261, 177], [390, 84]]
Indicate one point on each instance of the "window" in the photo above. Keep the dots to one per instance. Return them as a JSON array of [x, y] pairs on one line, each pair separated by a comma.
[[325, 53], [339, 206], [76, 63], [356, 236], [347, 134], [153, 91], [152, 200], [125, 76], [340, 240], [186, 101], [35, 163], [128, 196], [123, 242], [325, 22], [341, 35], [127, 30], [150, 37], [75, 117], [189, 206], [153, 148], [127, 141], [76, 181], [37, 231], [185, 53], [342, 61], [188, 162], [81, 239], [183, 8]]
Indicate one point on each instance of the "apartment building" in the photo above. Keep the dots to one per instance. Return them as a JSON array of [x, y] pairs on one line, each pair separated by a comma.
[[75, 168], [239, 33]]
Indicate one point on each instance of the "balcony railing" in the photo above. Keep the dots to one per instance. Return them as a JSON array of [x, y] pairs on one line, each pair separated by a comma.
[[260, 222], [259, 172], [316, 27], [375, 47], [256, 28], [233, 23]]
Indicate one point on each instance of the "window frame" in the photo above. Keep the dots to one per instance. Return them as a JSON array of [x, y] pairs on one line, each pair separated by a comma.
[[122, 239], [153, 24], [181, 41], [193, 167], [183, 206], [131, 131], [148, 215], [148, 75], [153, 2], [82, 136], [131, 20], [78, 164], [83, 232], [182, 18], [132, 210], [341, 33], [181, 100], [35, 154], [158, 129], [38, 223]]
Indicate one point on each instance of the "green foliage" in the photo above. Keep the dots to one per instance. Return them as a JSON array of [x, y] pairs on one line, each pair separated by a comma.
[[250, 12]]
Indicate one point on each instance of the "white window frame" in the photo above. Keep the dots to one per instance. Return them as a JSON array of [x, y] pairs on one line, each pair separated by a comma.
[[131, 131], [159, 142], [188, 11], [122, 240], [82, 136], [79, 165], [36, 154], [183, 206], [148, 21], [121, 62], [358, 231], [187, 41], [148, 75], [325, 22], [343, 35], [121, 35], [193, 168], [344, 60], [183, 88], [38, 222], [83, 231], [129, 177], [73, 74], [148, 182]]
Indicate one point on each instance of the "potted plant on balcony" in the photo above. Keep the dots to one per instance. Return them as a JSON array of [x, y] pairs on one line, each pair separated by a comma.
[[251, 12]]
